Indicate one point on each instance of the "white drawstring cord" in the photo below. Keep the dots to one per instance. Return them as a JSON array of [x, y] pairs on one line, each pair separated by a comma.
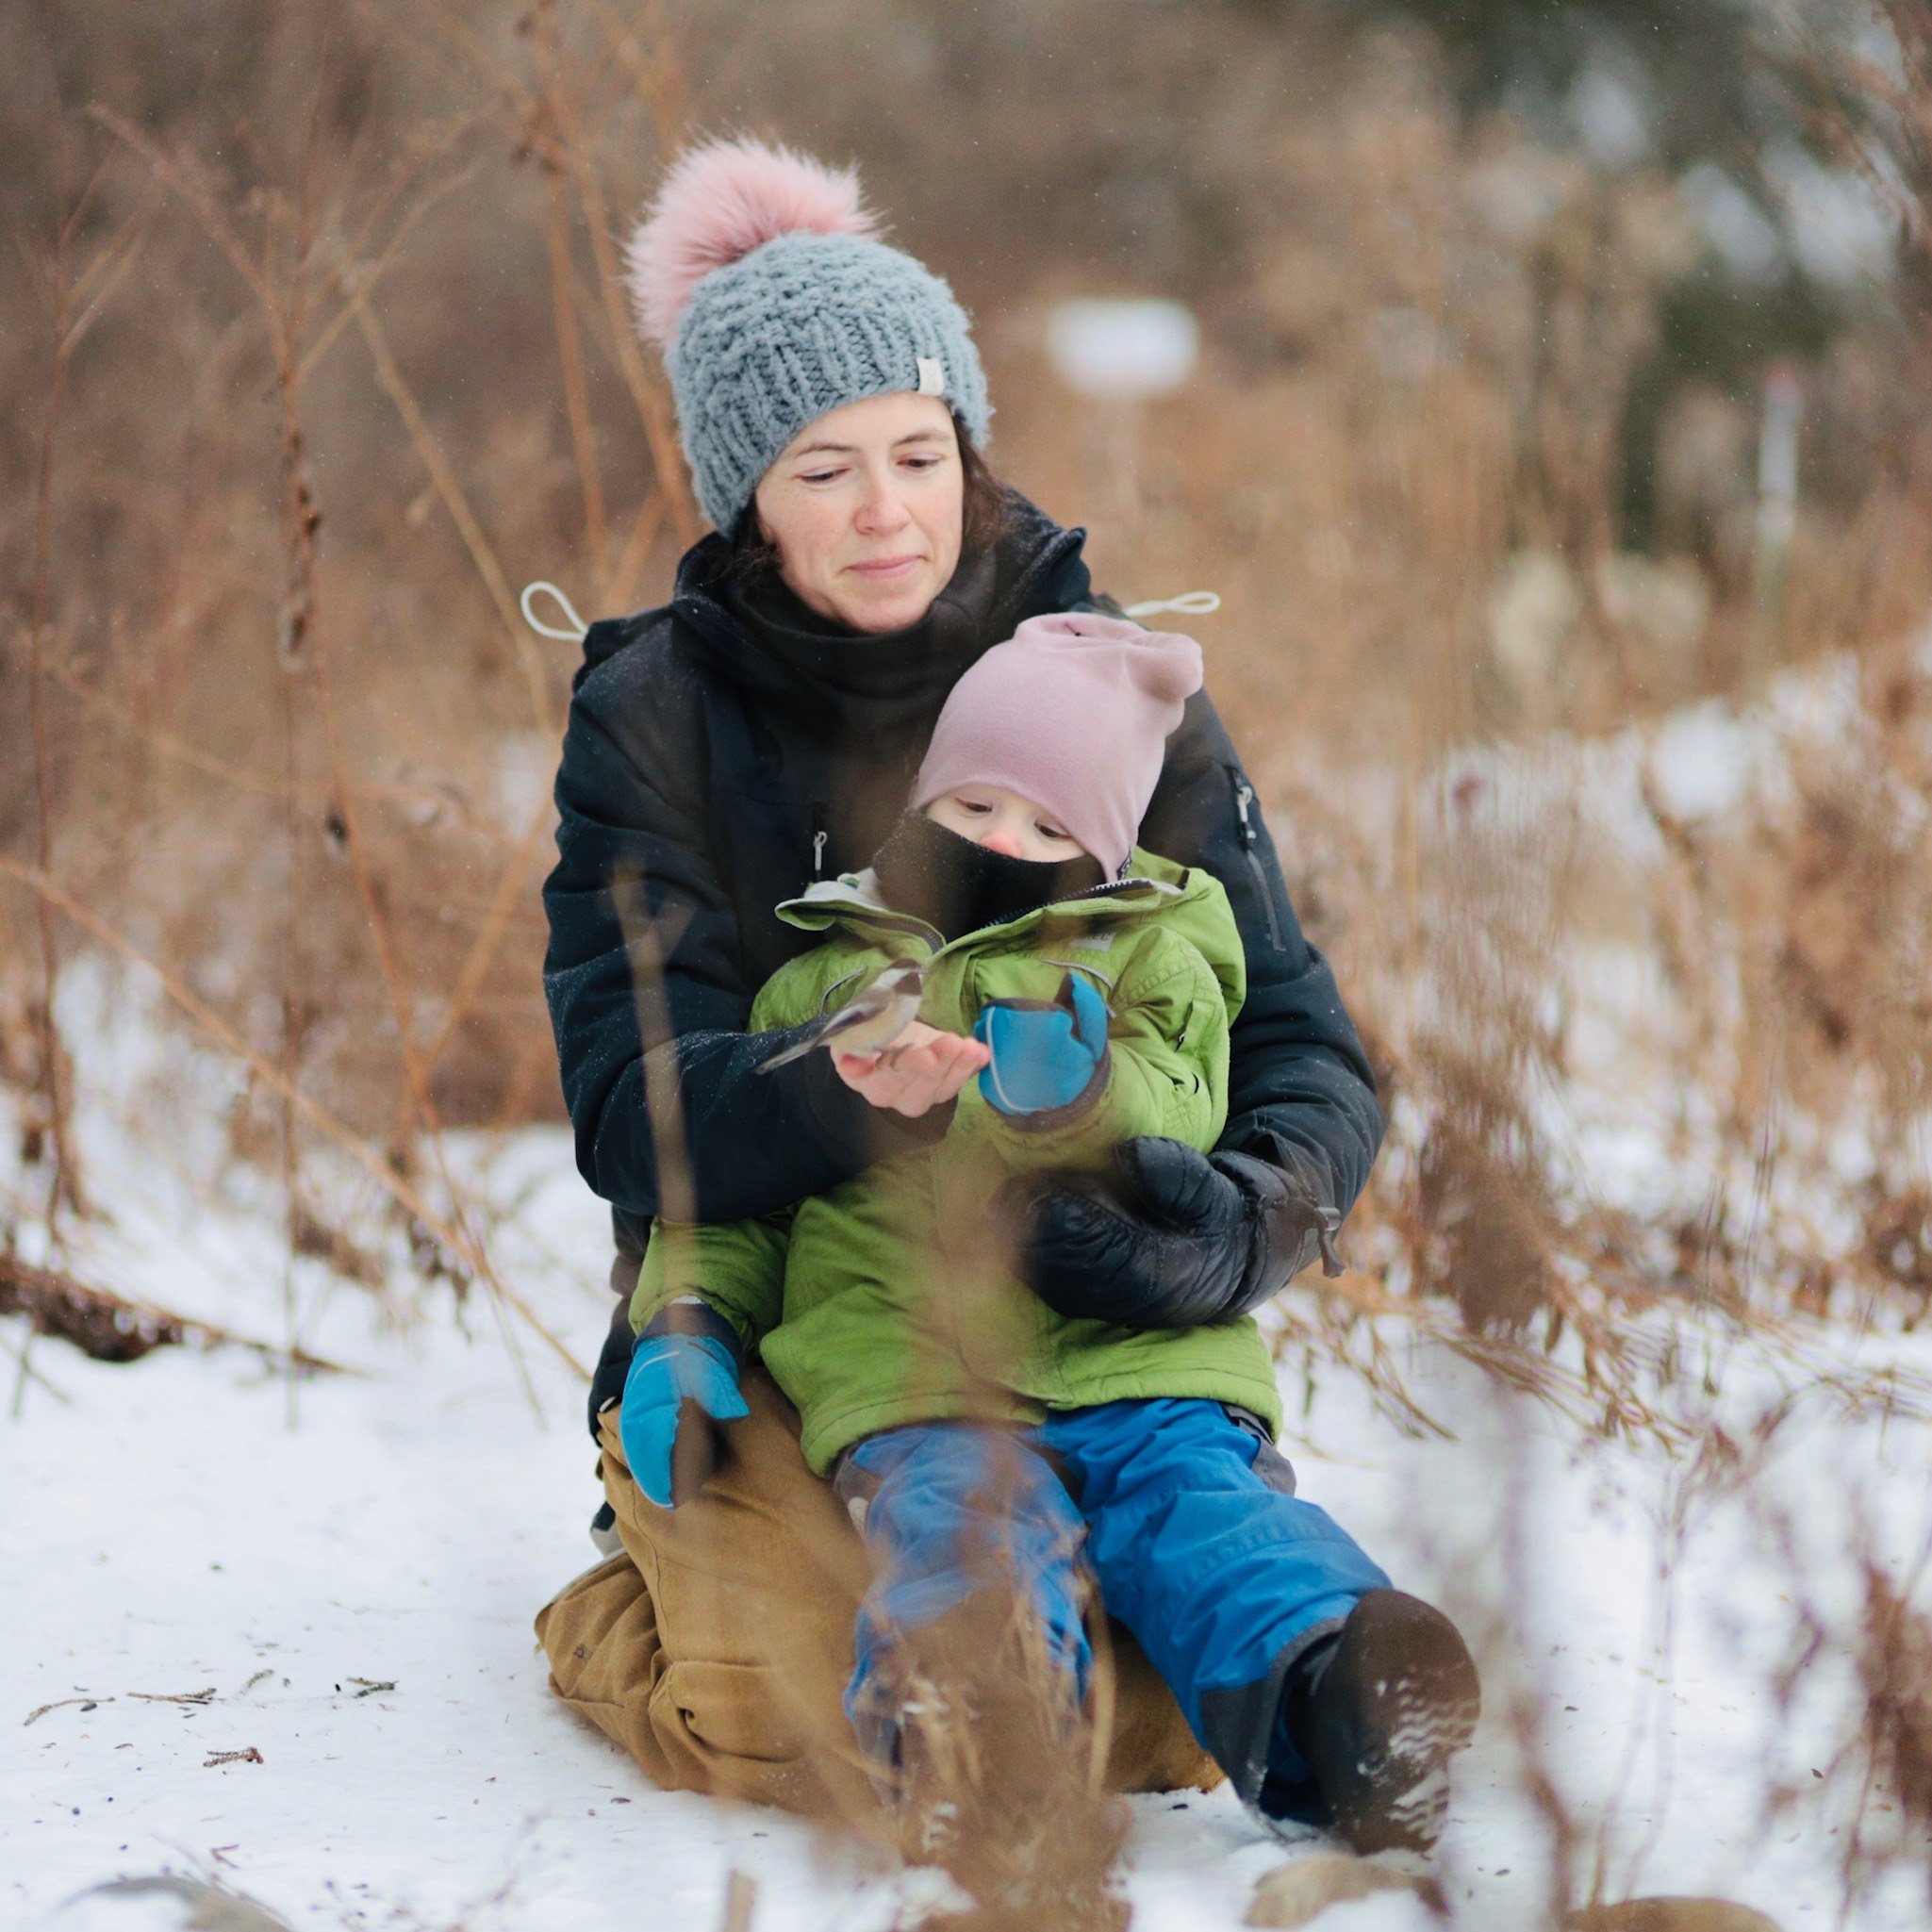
[[1190, 604], [542, 630]]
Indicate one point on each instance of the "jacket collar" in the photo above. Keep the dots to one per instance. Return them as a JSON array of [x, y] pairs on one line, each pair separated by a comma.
[[853, 900]]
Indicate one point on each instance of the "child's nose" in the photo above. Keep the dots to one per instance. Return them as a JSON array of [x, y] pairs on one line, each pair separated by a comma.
[[1003, 840]]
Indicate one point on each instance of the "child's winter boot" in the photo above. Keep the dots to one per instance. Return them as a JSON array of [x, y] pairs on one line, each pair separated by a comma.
[[1376, 1715]]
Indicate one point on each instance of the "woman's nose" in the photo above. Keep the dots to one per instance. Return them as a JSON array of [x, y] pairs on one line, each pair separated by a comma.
[[881, 512], [1002, 839]]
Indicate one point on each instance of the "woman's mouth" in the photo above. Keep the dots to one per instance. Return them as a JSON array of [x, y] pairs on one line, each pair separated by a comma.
[[884, 569]]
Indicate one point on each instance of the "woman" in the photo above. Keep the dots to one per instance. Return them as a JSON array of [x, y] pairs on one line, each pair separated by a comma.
[[761, 731]]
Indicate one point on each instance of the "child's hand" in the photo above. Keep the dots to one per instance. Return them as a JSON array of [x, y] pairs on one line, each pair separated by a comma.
[[1045, 1057], [922, 1069], [679, 1386]]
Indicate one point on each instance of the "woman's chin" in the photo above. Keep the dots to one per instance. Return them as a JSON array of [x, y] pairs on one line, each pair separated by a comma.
[[889, 606]]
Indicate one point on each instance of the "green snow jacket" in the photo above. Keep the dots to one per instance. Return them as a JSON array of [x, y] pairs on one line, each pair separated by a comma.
[[892, 1298]]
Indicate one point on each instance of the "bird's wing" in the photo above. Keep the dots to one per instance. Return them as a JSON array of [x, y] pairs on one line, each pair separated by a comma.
[[867, 1005]]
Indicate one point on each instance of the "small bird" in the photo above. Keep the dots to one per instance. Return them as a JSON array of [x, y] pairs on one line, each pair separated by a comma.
[[868, 1024]]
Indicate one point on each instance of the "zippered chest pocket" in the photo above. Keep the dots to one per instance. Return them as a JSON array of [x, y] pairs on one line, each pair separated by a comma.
[[1248, 831], [1031, 976]]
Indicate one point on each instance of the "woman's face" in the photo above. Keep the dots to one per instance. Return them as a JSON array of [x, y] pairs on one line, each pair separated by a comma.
[[865, 507]]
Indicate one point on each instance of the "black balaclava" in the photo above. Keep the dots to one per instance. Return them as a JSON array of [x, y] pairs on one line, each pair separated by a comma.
[[961, 888]]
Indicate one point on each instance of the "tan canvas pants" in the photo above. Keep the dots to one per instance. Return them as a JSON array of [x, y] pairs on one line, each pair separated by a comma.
[[716, 1648]]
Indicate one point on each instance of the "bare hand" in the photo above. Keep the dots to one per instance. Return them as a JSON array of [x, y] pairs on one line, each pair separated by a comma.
[[922, 1069]]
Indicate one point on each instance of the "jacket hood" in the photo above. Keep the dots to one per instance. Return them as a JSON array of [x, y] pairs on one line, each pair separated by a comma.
[[762, 638]]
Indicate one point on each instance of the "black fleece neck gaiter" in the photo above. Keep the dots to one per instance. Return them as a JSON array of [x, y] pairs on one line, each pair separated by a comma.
[[961, 888]]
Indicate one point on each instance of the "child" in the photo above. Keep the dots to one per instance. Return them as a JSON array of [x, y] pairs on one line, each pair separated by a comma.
[[1102, 982]]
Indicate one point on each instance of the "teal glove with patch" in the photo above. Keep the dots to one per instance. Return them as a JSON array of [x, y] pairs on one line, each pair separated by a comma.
[[1047, 1055], [682, 1385]]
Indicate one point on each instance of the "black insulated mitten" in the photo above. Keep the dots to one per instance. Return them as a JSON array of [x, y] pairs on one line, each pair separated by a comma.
[[1174, 1238], [1377, 1715]]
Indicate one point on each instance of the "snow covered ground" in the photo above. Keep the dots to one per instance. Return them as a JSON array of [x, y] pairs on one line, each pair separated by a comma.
[[335, 1578], [351, 1569]]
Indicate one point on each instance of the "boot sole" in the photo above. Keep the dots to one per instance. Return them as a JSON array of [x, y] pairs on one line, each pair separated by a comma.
[[1421, 1699]]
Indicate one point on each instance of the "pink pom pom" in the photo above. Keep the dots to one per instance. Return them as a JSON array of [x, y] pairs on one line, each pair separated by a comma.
[[720, 199]]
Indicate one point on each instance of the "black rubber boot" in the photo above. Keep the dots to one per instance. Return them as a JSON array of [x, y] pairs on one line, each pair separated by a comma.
[[1377, 1715]]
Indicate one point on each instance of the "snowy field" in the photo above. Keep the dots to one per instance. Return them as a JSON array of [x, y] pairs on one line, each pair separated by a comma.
[[279, 1634], [348, 1569]]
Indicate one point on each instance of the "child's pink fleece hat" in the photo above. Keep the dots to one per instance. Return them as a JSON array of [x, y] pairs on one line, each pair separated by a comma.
[[1073, 713]]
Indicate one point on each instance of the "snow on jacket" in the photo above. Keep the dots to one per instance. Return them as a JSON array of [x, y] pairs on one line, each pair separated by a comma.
[[726, 750], [891, 1297]]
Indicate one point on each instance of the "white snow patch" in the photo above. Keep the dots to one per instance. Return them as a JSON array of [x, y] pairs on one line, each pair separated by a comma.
[[351, 1564]]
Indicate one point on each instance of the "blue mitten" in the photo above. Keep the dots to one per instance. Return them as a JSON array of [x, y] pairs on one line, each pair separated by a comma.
[[667, 1371], [1045, 1056]]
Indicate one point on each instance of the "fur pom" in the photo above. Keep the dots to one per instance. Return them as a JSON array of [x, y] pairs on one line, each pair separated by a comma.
[[721, 200]]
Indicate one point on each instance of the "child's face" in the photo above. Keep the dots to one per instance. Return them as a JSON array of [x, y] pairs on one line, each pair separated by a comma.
[[1002, 821]]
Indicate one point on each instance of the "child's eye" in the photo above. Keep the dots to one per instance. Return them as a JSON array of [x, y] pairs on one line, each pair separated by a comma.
[[1052, 833], [978, 807]]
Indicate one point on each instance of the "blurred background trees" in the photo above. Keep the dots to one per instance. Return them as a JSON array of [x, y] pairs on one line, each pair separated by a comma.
[[1559, 441], [1561, 364]]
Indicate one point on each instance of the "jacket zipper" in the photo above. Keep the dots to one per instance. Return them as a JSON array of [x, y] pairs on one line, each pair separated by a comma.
[[885, 917], [1244, 801], [817, 842]]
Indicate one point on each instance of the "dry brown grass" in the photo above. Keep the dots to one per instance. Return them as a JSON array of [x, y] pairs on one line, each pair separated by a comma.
[[999, 1788], [324, 354], [355, 365]]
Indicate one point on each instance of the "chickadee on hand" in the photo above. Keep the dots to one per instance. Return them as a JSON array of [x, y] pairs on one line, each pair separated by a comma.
[[868, 1024]]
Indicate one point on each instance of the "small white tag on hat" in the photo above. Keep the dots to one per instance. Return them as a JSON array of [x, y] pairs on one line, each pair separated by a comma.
[[932, 376]]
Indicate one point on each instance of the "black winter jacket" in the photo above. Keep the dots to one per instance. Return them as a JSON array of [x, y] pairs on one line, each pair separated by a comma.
[[727, 748]]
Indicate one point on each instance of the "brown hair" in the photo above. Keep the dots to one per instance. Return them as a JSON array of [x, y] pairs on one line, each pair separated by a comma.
[[985, 516]]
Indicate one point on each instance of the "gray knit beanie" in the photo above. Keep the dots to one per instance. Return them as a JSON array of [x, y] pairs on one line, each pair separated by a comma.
[[760, 275]]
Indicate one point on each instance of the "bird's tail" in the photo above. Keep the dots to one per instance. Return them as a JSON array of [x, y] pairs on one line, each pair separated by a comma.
[[797, 1050]]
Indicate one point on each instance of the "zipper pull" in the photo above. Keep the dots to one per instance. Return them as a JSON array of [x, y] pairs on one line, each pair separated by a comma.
[[1243, 798], [819, 836]]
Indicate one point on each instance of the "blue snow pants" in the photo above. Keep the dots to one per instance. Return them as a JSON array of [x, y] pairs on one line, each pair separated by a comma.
[[1185, 1516]]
